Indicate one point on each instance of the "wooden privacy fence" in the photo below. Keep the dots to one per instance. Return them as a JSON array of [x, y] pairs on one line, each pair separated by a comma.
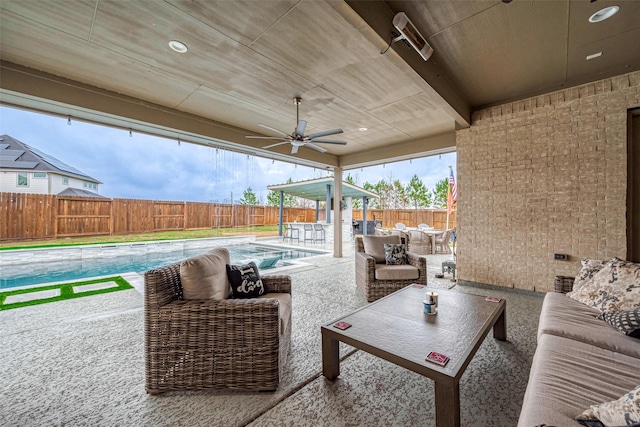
[[436, 218], [42, 216]]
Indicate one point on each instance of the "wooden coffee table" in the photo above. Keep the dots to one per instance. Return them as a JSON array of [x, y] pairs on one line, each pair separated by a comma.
[[394, 328]]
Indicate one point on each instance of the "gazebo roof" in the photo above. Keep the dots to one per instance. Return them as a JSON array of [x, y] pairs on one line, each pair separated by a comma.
[[316, 189]]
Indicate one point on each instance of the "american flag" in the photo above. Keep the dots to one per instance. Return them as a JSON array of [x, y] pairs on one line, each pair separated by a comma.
[[452, 183]]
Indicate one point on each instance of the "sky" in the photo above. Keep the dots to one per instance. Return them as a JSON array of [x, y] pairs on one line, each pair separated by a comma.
[[153, 168]]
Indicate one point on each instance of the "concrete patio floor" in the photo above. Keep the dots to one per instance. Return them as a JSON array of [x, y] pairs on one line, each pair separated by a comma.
[[81, 362]]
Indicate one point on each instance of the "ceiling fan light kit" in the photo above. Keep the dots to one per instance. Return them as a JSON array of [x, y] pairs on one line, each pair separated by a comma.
[[297, 138]]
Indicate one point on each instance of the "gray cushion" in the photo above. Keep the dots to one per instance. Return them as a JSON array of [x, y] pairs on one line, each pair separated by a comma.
[[205, 276], [565, 317], [374, 245], [568, 376], [285, 308], [396, 272]]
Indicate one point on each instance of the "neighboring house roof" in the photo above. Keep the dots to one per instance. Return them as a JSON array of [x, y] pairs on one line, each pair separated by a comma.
[[79, 192], [16, 155]]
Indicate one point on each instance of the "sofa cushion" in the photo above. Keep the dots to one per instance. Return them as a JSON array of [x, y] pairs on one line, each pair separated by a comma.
[[625, 321], [622, 412], [568, 376], [245, 280], [565, 317], [374, 245], [396, 272], [285, 308], [615, 287], [205, 276], [589, 269], [395, 254]]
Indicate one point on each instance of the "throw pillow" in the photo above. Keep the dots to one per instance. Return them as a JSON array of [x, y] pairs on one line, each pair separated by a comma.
[[395, 254], [589, 268], [205, 277], [615, 287], [625, 321], [374, 246], [245, 280], [622, 412]]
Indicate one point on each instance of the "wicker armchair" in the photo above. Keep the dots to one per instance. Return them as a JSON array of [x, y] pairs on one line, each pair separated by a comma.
[[442, 242], [238, 344], [373, 288], [419, 242]]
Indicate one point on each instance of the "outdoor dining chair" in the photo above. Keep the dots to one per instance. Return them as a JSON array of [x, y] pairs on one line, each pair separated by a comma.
[[320, 233]]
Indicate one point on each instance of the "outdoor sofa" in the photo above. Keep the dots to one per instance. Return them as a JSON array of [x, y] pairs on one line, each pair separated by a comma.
[[584, 365]]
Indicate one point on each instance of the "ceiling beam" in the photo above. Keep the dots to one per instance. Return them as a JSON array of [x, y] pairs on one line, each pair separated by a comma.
[[379, 16], [414, 149], [34, 90]]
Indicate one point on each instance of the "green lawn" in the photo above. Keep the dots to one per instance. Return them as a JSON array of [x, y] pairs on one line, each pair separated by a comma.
[[263, 231]]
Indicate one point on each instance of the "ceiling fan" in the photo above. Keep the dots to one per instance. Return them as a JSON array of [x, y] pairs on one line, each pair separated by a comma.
[[297, 138]]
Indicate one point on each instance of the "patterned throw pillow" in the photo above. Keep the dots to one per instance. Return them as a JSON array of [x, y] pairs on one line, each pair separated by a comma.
[[622, 412], [616, 287], [625, 321], [395, 254], [245, 280], [589, 269]]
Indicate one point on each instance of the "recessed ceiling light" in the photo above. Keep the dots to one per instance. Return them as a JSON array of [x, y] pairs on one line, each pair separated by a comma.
[[363, 129], [594, 55], [603, 14], [178, 46]]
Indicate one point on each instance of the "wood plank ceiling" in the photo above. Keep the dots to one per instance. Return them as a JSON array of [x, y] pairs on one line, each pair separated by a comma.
[[109, 61]]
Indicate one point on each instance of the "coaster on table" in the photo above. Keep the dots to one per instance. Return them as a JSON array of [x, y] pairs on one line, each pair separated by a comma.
[[437, 358], [493, 299], [342, 325]]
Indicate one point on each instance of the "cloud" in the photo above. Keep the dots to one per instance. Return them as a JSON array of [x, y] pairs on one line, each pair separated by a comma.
[[146, 167]]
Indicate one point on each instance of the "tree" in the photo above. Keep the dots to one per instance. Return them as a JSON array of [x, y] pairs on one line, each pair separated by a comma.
[[273, 198], [249, 198], [398, 195], [417, 193], [356, 203], [440, 193]]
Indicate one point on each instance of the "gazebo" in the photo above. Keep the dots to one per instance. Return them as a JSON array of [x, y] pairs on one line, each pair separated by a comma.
[[321, 189]]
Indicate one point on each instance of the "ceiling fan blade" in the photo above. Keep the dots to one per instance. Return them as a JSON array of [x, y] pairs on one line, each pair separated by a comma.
[[275, 145], [325, 133], [302, 124], [264, 137], [274, 130], [294, 149], [329, 141], [315, 147]]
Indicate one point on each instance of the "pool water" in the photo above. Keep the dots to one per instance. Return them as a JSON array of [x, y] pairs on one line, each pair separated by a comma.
[[58, 271]]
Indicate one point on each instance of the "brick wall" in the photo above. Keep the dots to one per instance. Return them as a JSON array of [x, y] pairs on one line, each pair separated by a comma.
[[541, 176]]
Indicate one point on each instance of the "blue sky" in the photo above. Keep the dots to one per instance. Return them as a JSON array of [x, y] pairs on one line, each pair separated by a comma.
[[146, 167]]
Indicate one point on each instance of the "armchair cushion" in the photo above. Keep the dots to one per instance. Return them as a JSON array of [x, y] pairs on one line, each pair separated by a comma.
[[395, 254], [396, 272], [245, 280], [374, 246], [285, 308], [205, 276]]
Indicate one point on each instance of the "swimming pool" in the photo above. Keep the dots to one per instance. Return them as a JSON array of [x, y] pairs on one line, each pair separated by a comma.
[[81, 268]]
